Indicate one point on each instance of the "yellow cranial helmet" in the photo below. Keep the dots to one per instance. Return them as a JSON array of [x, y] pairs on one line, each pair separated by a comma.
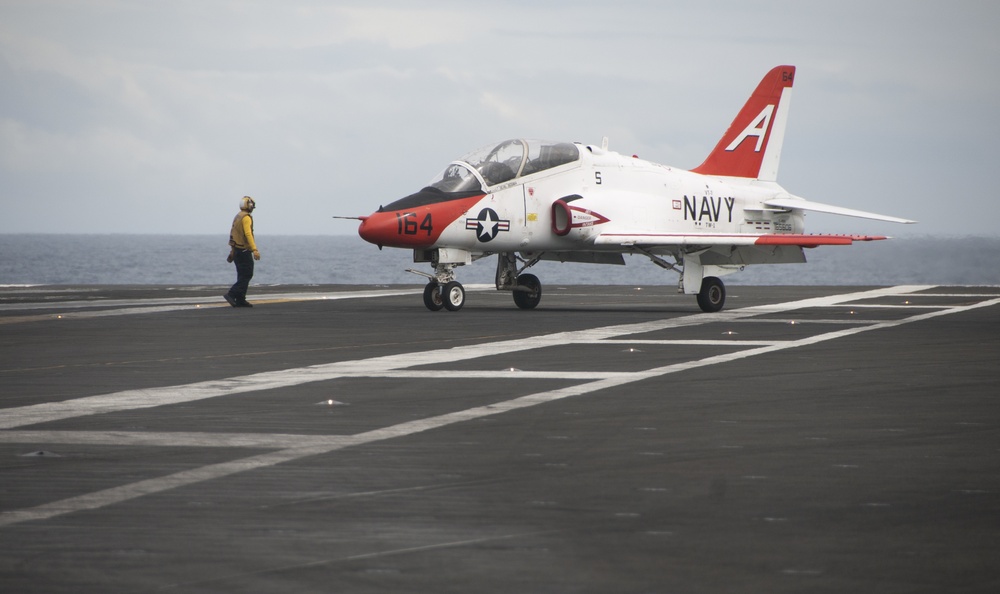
[[247, 203]]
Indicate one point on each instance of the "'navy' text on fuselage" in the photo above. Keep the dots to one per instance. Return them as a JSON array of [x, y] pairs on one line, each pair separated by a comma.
[[708, 208]]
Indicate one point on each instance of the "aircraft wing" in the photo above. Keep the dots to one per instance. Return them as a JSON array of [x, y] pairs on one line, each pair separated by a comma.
[[728, 239], [801, 204]]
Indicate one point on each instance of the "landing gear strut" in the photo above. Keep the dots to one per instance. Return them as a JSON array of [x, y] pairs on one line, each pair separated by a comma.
[[526, 288]]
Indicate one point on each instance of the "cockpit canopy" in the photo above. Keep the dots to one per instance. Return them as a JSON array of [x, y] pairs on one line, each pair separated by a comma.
[[517, 158], [490, 166]]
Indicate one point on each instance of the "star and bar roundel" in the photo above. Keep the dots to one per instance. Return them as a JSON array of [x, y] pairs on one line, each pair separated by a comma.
[[487, 225]]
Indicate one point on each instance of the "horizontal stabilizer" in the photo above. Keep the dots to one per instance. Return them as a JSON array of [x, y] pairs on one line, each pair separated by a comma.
[[801, 204]]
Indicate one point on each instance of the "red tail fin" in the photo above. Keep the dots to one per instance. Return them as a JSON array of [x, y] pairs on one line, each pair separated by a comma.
[[751, 147]]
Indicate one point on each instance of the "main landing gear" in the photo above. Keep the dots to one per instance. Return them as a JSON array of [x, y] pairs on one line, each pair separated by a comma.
[[712, 295], [528, 291], [526, 288]]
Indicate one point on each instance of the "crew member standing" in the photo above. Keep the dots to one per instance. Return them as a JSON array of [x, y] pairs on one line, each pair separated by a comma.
[[243, 251]]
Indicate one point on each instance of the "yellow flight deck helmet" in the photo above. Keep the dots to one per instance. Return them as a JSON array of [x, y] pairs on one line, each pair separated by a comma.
[[247, 203]]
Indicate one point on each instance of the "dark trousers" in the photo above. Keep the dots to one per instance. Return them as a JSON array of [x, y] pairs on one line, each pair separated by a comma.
[[244, 272]]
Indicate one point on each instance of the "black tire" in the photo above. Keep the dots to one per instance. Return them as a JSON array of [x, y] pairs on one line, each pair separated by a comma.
[[712, 295], [530, 298], [432, 296], [453, 295]]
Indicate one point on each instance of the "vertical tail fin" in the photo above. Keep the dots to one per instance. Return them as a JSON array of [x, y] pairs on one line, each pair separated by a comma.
[[751, 147]]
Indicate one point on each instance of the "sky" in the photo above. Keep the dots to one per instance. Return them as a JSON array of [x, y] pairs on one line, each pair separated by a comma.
[[147, 117]]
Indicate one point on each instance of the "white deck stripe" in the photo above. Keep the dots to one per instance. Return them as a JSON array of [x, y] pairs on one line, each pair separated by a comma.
[[187, 302], [730, 343], [790, 321], [185, 439], [123, 307], [883, 306]]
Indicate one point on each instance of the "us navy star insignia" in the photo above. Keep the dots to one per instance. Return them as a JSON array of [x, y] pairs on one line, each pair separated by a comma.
[[487, 225]]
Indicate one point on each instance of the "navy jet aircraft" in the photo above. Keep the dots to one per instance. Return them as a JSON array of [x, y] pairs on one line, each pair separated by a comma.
[[527, 200]]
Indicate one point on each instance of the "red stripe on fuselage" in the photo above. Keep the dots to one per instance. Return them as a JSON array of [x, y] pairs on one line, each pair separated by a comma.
[[814, 240]]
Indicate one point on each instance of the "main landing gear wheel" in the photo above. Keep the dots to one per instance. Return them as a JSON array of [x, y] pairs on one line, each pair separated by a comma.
[[712, 295], [453, 295], [528, 291], [432, 296]]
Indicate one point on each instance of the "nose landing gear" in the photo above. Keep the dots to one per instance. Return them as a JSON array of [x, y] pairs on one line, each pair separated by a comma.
[[450, 296], [442, 291]]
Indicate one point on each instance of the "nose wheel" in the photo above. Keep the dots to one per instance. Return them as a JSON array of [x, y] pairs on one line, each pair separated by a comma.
[[450, 296], [432, 296], [453, 294]]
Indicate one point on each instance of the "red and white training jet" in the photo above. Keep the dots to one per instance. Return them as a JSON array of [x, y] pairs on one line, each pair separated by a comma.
[[529, 200]]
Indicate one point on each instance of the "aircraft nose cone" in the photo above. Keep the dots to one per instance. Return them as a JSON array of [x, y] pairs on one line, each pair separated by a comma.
[[365, 230], [378, 228]]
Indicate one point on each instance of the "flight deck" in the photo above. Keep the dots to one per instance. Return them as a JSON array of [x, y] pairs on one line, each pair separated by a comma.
[[614, 439]]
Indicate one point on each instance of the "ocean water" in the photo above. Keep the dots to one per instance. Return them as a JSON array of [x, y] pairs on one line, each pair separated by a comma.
[[27, 259]]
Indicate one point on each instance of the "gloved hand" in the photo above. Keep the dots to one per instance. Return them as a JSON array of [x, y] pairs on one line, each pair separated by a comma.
[[256, 255], [229, 258]]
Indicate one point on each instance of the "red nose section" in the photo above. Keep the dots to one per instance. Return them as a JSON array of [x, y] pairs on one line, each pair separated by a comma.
[[419, 227], [405, 229], [380, 228]]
